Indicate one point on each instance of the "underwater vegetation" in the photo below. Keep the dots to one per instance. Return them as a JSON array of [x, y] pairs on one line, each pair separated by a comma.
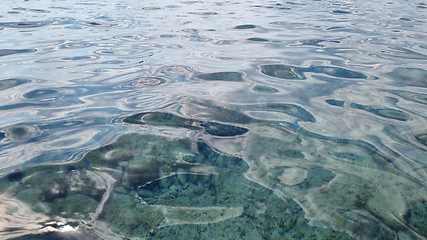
[[155, 187], [193, 184]]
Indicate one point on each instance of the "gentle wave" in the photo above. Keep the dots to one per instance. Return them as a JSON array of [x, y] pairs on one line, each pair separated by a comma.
[[129, 119]]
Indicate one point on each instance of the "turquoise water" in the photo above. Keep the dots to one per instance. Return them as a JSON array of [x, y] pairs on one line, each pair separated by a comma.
[[213, 119]]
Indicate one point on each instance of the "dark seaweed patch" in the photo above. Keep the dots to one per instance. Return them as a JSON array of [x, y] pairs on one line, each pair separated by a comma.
[[292, 110], [77, 58], [264, 89], [167, 36], [340, 12], [409, 76], [203, 13], [333, 28], [172, 120], [282, 71], [296, 73], [349, 156], [393, 114], [291, 153], [223, 130], [5, 52], [384, 112], [162, 119], [334, 102], [258, 39], [410, 96], [31, 10], [22, 105], [336, 72], [227, 115], [94, 23], [222, 76], [135, 119], [246, 26]]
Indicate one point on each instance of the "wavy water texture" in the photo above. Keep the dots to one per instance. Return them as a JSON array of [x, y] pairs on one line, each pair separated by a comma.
[[209, 119]]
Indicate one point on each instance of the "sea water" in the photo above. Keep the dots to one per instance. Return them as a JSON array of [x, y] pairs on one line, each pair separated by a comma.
[[125, 119]]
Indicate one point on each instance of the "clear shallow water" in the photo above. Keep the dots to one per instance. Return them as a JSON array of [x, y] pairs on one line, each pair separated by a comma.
[[215, 120]]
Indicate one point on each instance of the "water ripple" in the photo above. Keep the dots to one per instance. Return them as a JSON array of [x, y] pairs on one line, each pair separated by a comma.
[[293, 119]]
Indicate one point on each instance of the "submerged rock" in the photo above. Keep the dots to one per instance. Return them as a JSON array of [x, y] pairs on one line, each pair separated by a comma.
[[174, 189], [15, 176], [142, 170], [416, 216], [125, 181], [293, 176], [117, 173], [192, 177], [58, 189], [182, 175], [120, 189], [145, 193], [199, 189], [164, 182]]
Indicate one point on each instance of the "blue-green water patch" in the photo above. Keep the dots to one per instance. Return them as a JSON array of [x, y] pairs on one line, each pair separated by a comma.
[[223, 130], [384, 112], [297, 73], [222, 76], [410, 96], [6, 52], [334, 102], [172, 120], [246, 26], [404, 76], [258, 39], [282, 71], [341, 12], [24, 24], [264, 89], [40, 93], [10, 83]]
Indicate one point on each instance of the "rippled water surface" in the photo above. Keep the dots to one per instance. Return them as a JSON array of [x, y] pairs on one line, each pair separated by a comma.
[[213, 119]]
